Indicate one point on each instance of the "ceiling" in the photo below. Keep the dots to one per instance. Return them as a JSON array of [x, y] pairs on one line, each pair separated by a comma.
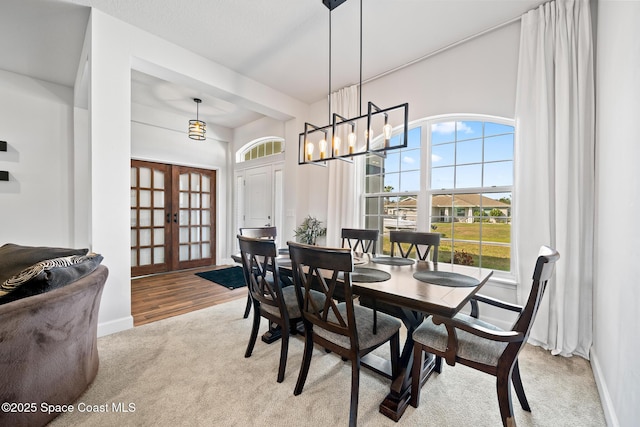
[[283, 44]]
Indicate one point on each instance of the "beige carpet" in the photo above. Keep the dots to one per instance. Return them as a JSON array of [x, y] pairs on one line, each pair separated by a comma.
[[190, 370]]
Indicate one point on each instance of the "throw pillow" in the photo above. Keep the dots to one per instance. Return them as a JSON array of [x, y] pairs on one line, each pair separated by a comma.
[[47, 275], [15, 258]]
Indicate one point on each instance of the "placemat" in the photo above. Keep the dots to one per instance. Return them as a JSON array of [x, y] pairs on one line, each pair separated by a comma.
[[392, 260], [446, 278], [363, 274]]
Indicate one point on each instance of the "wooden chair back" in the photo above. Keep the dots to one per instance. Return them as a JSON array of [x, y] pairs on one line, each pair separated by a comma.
[[405, 242], [259, 232], [310, 265], [360, 240], [543, 271], [261, 272]]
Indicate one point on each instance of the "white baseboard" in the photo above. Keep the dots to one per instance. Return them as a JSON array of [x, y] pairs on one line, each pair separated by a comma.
[[603, 391], [113, 326]]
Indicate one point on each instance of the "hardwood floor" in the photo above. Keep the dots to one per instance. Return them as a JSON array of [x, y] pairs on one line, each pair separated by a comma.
[[170, 294]]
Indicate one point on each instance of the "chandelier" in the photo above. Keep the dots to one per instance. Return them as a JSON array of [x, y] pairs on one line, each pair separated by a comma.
[[376, 132], [197, 128]]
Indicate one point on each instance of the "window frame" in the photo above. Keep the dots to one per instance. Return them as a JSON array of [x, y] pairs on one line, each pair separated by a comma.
[[259, 144], [425, 193]]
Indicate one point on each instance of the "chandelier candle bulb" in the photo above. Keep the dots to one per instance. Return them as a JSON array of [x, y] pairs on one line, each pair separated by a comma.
[[336, 145], [323, 147], [387, 129], [352, 141], [309, 151]]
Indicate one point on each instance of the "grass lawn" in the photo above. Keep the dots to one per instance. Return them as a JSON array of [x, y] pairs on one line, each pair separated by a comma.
[[496, 257]]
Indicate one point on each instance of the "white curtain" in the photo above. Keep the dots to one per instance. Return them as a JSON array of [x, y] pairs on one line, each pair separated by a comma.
[[343, 201], [555, 173]]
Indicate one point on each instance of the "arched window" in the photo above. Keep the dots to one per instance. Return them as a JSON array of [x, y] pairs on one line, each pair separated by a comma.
[[259, 148], [455, 177]]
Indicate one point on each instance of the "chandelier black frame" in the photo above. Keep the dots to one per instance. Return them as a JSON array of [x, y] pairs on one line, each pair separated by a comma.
[[197, 128], [359, 139]]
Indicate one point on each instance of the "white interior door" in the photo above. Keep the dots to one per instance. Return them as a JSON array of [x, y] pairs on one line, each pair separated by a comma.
[[258, 197]]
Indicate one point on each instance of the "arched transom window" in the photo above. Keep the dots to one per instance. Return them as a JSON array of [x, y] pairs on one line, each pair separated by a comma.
[[259, 148]]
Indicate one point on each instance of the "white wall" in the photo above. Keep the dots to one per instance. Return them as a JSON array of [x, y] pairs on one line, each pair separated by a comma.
[[616, 343], [36, 120], [115, 49]]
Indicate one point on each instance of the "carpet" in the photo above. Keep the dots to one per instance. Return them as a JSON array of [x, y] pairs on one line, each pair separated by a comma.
[[191, 370], [231, 277]]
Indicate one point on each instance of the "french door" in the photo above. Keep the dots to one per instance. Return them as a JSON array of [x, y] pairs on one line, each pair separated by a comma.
[[172, 217]]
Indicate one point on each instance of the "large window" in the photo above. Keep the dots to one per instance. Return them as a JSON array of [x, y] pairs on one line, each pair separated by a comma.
[[465, 193]]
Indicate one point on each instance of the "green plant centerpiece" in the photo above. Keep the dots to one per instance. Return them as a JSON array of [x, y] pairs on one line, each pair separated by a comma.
[[310, 229]]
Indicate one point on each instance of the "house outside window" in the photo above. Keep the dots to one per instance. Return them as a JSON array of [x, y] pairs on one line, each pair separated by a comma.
[[465, 191]]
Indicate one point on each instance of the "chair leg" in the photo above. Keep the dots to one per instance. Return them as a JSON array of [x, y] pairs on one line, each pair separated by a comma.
[[355, 389], [416, 375], [284, 349], [306, 361], [247, 309], [254, 330], [517, 384], [503, 386]]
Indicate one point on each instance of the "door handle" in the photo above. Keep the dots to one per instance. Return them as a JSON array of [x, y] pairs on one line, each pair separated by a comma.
[[168, 218], [175, 217]]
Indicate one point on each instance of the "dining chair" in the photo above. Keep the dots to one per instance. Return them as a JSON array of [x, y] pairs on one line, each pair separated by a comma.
[[360, 240], [407, 242], [277, 304], [261, 233], [344, 328], [482, 346]]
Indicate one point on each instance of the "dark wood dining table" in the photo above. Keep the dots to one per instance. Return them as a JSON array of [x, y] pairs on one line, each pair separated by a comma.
[[412, 299], [408, 295]]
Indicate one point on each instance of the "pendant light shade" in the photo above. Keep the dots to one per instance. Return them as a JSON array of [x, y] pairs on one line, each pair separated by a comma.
[[197, 128]]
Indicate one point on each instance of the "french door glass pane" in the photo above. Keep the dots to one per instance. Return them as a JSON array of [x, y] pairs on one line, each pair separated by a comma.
[[206, 215], [195, 252], [145, 218], [145, 177], [195, 200], [158, 218], [184, 217], [195, 182], [158, 236], [183, 201], [195, 217], [145, 199], [183, 182], [158, 179], [145, 256], [206, 184], [134, 258], [158, 199], [183, 254], [184, 235], [134, 177], [158, 254], [145, 237]]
